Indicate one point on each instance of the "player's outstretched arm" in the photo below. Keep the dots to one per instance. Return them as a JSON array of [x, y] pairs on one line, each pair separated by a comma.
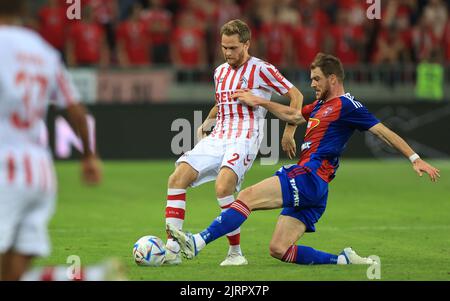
[[288, 142], [91, 170], [288, 114], [397, 142]]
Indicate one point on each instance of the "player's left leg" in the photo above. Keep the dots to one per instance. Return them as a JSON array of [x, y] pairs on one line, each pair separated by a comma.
[[264, 195], [225, 187]]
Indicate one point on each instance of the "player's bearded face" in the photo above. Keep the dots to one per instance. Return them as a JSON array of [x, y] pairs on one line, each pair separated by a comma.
[[234, 51], [320, 84]]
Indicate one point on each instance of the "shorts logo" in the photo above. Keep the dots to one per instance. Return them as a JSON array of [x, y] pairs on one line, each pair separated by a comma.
[[312, 123], [295, 192]]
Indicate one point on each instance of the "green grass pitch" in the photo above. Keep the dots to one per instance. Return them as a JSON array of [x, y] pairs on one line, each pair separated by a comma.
[[378, 207]]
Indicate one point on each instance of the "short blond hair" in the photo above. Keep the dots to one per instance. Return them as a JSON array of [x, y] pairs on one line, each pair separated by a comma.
[[238, 27]]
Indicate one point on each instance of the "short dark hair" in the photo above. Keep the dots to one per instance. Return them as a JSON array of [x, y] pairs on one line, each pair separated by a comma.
[[11, 7], [238, 27], [329, 64]]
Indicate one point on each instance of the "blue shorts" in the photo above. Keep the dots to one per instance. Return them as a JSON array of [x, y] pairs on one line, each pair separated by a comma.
[[304, 194]]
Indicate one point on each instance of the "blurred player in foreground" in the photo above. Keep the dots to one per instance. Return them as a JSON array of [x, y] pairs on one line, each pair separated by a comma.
[[302, 189], [229, 151], [31, 73]]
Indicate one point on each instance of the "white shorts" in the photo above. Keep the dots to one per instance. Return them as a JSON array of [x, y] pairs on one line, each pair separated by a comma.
[[212, 153], [24, 217], [25, 209]]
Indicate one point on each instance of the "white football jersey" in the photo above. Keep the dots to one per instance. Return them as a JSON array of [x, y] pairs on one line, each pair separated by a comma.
[[31, 75], [236, 120]]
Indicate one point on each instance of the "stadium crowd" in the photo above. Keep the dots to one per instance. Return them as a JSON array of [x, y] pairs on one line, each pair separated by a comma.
[[287, 33]]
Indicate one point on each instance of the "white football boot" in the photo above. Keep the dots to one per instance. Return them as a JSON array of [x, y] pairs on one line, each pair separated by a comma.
[[349, 256], [234, 259], [172, 258], [185, 240]]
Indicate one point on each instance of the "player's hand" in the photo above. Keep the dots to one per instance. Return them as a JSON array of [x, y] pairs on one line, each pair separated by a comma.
[[420, 166], [288, 145], [246, 97], [201, 133], [91, 170]]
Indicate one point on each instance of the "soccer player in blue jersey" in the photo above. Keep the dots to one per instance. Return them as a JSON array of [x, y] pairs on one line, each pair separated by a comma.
[[302, 189]]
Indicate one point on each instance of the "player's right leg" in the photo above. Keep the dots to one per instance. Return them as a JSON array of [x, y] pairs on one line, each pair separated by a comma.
[[14, 265], [264, 195], [179, 181]]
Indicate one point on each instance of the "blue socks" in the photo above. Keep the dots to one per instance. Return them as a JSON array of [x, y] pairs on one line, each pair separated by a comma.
[[308, 255], [228, 221]]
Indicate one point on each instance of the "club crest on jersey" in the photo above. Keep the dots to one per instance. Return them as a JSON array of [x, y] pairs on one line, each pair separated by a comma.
[[243, 81], [312, 123], [327, 111]]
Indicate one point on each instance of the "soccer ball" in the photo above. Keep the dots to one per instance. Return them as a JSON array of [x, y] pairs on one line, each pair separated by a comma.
[[149, 251]]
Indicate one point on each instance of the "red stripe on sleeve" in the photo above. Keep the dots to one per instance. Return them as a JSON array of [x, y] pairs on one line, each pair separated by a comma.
[[278, 78], [269, 83]]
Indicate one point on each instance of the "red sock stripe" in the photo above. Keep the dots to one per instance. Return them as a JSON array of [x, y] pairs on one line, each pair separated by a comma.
[[177, 197], [174, 213], [241, 208], [290, 255], [28, 174], [226, 206], [234, 240], [47, 274]]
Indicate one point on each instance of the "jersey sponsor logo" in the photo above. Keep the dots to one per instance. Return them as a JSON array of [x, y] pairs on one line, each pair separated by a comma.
[[278, 76], [312, 123], [295, 192], [306, 145]]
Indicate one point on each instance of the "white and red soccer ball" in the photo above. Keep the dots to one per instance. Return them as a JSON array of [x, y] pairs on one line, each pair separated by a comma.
[[149, 251]]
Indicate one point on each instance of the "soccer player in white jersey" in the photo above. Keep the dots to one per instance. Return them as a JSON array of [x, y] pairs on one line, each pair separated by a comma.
[[229, 151], [31, 73]]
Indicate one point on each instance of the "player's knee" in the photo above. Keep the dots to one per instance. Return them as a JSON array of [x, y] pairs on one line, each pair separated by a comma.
[[223, 190], [246, 196], [277, 250], [177, 181]]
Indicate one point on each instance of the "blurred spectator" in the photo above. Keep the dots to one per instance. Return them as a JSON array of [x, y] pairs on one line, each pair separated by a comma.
[[430, 77], [133, 43], [391, 49], [275, 41], [423, 40], [86, 43], [188, 48], [446, 42], [106, 13], [158, 22], [344, 40], [52, 24], [307, 42], [435, 14]]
